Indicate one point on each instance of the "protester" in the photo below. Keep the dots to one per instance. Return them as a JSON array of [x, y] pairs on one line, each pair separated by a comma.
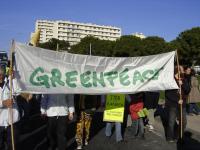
[[23, 104], [194, 96], [6, 103], [87, 106], [109, 125], [151, 103], [173, 103], [59, 108], [187, 75], [137, 112]]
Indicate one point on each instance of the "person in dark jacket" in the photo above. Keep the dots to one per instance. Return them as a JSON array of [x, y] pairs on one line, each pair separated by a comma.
[[173, 101]]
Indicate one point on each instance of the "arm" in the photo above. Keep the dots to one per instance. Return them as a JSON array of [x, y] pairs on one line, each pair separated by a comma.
[[6, 101], [16, 88], [1, 103], [128, 98], [103, 100], [43, 104], [70, 102]]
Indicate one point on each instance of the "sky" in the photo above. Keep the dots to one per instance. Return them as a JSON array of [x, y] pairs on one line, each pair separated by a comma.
[[164, 18]]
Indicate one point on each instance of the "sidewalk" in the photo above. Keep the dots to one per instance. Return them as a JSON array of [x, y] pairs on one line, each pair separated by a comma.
[[193, 123]]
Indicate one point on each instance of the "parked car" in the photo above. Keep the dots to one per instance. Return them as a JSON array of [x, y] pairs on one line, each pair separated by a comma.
[[197, 69]]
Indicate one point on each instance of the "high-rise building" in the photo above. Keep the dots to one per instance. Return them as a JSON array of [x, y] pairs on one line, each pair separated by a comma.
[[73, 32]]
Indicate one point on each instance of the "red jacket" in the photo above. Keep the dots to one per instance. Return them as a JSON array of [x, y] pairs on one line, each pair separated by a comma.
[[134, 108]]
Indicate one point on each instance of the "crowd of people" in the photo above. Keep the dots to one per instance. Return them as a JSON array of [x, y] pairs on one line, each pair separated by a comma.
[[59, 109]]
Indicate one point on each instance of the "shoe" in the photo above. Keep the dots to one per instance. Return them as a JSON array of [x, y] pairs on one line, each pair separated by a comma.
[[191, 114], [121, 142], [170, 141], [130, 137], [151, 128], [79, 147], [141, 137], [108, 137], [86, 143]]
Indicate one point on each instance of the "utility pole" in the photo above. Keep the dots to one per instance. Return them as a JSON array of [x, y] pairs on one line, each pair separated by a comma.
[[90, 49], [57, 47]]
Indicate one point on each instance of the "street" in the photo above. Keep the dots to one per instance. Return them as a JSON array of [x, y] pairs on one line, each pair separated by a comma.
[[153, 140]]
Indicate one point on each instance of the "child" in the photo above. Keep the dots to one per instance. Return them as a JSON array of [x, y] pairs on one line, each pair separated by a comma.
[[137, 113]]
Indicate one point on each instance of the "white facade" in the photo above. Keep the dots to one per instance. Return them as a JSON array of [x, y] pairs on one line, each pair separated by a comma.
[[73, 32], [140, 35]]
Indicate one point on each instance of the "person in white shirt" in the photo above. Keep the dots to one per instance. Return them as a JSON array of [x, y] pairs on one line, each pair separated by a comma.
[[59, 108], [6, 103]]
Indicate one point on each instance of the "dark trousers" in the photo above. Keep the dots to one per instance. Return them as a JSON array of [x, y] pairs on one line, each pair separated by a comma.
[[173, 114], [56, 132], [138, 127], [5, 137]]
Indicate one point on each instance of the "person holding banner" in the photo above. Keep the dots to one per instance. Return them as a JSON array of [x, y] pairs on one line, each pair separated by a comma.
[[6, 103], [172, 104], [59, 108]]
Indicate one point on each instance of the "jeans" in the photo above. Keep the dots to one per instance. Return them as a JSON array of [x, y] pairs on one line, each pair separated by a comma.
[[138, 127], [56, 132], [108, 131], [193, 108], [151, 116], [173, 114]]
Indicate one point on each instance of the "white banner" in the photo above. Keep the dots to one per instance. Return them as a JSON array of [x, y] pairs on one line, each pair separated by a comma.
[[45, 71]]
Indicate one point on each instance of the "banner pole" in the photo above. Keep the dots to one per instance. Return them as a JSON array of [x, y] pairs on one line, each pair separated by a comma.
[[57, 47], [11, 93], [180, 95]]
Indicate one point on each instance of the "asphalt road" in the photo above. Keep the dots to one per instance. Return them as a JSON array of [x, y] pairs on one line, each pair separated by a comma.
[[36, 139]]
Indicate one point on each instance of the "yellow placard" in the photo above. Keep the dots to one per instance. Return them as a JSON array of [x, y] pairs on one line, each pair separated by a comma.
[[114, 111]]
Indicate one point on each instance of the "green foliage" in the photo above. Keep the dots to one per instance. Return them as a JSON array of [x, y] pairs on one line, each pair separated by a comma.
[[155, 45], [125, 46], [98, 47], [53, 43], [188, 45]]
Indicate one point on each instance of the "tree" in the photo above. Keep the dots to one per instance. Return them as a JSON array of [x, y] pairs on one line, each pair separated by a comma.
[[155, 45], [53, 43], [98, 47], [128, 45], [125, 46], [188, 45]]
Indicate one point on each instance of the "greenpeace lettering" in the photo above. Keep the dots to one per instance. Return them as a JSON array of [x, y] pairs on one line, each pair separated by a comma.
[[90, 79]]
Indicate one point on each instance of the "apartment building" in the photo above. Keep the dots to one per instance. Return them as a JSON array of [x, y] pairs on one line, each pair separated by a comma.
[[73, 32]]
